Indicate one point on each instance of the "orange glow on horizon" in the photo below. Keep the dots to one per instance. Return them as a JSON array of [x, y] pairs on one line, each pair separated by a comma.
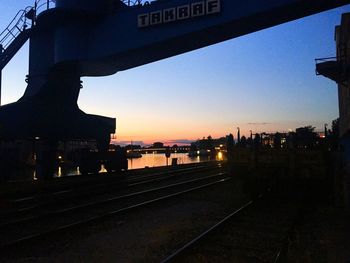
[[170, 133]]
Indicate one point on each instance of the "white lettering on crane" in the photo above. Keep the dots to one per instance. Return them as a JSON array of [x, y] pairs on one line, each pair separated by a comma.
[[197, 9]]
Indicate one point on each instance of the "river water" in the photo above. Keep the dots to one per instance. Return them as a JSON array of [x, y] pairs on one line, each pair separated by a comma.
[[157, 159]]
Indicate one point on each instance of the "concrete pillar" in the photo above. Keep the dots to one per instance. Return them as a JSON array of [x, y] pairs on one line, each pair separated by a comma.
[[345, 143], [343, 48]]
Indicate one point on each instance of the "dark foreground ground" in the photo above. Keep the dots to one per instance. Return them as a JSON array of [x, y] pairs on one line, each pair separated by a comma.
[[323, 236], [151, 233]]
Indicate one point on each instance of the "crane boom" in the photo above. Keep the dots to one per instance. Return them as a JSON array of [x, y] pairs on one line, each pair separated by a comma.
[[134, 36]]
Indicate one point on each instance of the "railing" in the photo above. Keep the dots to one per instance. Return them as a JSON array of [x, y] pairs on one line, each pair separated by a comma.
[[43, 5], [320, 60], [24, 19], [19, 23]]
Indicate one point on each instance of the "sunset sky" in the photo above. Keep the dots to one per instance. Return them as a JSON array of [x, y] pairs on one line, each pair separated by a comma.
[[264, 81]]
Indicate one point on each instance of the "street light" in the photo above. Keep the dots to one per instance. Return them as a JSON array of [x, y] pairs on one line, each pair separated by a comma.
[[238, 134]]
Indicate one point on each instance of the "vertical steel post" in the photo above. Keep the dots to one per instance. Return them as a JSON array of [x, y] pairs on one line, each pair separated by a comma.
[[35, 13], [0, 85]]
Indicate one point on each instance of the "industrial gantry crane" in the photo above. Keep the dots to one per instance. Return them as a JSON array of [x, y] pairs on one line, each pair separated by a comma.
[[75, 38]]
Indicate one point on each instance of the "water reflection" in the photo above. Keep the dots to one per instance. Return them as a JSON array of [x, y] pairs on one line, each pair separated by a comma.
[[220, 156], [59, 173], [159, 159], [34, 176]]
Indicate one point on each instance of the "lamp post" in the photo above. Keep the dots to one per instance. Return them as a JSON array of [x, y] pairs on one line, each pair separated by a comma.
[[238, 135]]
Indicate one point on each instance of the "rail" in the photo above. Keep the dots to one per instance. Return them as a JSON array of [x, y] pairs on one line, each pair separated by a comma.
[[206, 233], [275, 253], [173, 190]]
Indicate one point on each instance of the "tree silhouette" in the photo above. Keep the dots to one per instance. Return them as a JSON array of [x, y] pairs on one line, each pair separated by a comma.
[[243, 141], [306, 137], [277, 140], [257, 140]]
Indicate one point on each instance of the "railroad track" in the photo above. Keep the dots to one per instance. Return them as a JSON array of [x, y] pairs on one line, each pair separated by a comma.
[[51, 223], [26, 189], [19, 205], [131, 190], [258, 231]]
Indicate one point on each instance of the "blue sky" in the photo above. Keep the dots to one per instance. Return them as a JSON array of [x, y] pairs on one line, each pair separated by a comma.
[[264, 81]]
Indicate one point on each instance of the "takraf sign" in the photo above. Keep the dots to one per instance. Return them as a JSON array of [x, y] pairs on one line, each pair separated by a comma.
[[197, 9]]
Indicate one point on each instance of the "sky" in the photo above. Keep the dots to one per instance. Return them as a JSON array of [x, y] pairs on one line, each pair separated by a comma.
[[264, 82]]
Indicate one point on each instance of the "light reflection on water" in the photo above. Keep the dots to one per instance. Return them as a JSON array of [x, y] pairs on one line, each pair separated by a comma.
[[147, 160], [159, 159]]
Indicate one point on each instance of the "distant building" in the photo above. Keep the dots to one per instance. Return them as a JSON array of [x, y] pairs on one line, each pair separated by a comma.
[[158, 145], [132, 147]]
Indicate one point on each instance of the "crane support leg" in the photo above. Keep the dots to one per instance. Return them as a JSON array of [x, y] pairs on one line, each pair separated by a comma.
[[1, 50], [53, 112], [345, 142], [0, 85], [52, 115], [46, 159]]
